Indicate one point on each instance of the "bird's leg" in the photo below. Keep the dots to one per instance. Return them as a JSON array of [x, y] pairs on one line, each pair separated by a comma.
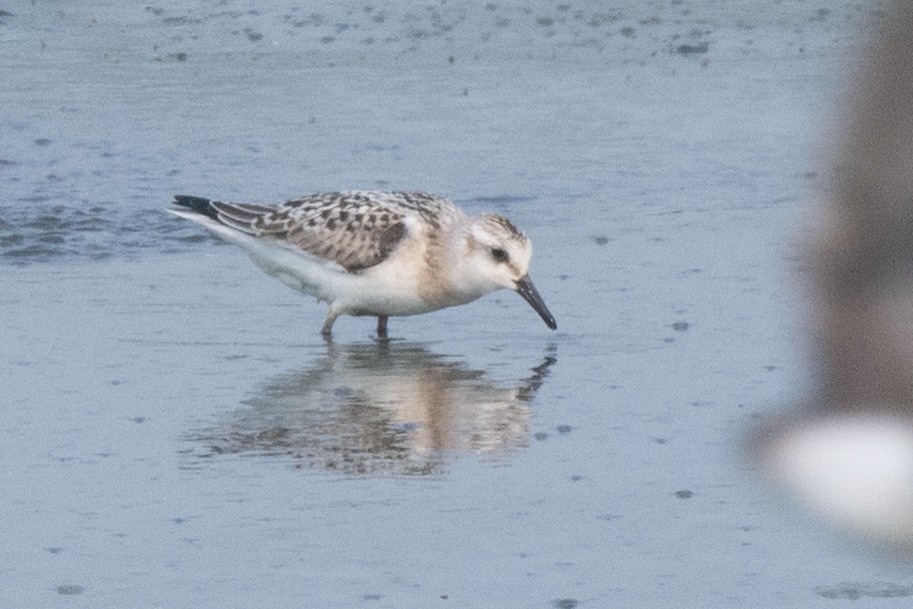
[[382, 326], [327, 330]]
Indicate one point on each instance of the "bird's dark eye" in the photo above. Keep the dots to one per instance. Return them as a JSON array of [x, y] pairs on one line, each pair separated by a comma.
[[499, 255]]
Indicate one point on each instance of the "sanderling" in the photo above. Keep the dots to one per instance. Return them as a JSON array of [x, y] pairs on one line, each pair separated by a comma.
[[376, 253]]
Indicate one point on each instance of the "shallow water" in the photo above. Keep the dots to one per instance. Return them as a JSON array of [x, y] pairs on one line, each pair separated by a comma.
[[175, 432]]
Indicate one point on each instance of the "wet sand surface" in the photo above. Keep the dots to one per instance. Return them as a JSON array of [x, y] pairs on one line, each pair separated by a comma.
[[175, 431]]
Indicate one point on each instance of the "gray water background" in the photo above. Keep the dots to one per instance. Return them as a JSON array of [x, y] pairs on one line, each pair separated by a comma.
[[174, 432]]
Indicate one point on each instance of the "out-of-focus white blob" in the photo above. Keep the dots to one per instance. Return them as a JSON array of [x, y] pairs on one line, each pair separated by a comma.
[[855, 471]]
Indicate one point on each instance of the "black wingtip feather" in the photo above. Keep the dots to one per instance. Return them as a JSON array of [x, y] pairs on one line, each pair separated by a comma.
[[201, 205]]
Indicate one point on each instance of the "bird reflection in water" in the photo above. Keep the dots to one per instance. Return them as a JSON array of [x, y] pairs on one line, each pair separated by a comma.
[[380, 408]]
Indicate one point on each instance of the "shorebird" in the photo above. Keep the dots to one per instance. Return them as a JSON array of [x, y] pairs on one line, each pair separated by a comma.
[[376, 253]]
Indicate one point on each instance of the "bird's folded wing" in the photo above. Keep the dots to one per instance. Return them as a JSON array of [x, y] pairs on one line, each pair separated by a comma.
[[354, 232]]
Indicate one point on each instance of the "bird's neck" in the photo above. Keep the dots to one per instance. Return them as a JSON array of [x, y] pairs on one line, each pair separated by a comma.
[[462, 278]]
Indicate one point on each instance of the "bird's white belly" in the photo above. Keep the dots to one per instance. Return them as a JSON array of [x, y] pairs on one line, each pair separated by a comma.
[[392, 288], [388, 289], [298, 270]]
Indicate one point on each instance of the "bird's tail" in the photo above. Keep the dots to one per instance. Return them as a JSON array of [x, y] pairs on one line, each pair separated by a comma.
[[200, 205]]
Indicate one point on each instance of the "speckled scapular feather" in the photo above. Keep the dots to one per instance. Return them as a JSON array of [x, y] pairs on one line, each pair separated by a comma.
[[376, 253]]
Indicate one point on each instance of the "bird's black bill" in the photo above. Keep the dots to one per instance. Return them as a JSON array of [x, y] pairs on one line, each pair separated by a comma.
[[527, 290]]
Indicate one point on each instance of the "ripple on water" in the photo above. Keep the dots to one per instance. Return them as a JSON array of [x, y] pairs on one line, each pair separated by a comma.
[[856, 590], [44, 233]]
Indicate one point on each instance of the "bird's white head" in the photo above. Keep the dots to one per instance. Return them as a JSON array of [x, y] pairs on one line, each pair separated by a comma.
[[496, 252], [495, 255]]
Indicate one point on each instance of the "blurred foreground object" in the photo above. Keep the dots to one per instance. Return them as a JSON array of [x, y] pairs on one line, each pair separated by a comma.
[[849, 454]]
